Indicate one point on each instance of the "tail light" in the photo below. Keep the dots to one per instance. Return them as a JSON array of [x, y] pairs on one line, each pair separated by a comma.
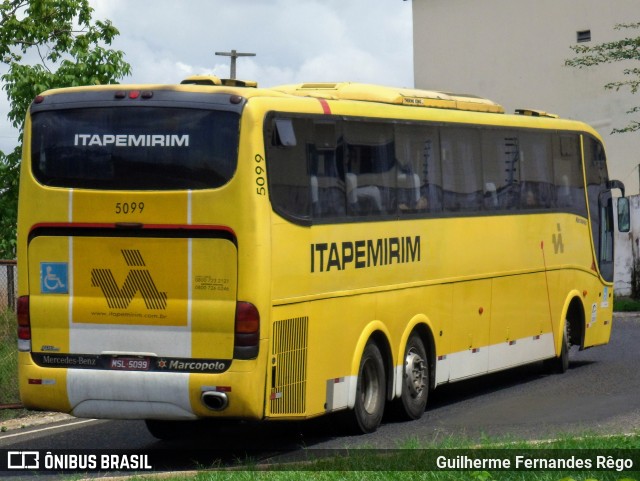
[[24, 324], [247, 331]]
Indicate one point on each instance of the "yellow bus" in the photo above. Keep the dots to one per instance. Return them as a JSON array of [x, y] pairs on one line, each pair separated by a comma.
[[217, 250]]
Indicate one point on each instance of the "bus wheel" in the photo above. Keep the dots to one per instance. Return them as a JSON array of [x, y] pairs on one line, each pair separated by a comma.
[[415, 380], [370, 390]]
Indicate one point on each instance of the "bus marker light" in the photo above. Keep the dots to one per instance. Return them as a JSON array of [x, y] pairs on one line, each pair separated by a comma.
[[120, 94], [247, 318], [41, 382], [24, 324], [147, 94], [247, 331], [39, 99], [134, 94]]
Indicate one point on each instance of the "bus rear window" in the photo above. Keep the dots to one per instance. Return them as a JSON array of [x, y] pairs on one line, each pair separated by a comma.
[[137, 148]]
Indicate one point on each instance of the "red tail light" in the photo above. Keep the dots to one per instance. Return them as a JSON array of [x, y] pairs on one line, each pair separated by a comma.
[[24, 324], [247, 331]]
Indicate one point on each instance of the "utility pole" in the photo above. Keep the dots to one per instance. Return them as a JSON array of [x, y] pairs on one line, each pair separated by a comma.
[[234, 55]]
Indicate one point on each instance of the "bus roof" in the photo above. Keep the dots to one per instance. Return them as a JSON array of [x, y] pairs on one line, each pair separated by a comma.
[[336, 91], [330, 91], [392, 95]]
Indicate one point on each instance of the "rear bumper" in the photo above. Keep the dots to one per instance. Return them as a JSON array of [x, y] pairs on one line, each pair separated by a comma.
[[106, 394]]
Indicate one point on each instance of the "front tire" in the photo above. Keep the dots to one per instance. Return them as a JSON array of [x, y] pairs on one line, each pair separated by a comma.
[[370, 390], [415, 380]]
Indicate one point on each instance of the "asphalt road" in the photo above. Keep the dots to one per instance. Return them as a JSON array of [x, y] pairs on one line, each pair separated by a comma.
[[600, 393]]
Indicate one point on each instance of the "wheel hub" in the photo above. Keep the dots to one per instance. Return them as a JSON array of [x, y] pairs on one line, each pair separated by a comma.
[[415, 373]]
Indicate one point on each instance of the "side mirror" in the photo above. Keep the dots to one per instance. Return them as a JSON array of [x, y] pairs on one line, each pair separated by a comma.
[[616, 184], [624, 218]]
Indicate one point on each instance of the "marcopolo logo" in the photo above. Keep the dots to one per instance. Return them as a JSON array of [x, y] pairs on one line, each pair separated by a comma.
[[138, 280]]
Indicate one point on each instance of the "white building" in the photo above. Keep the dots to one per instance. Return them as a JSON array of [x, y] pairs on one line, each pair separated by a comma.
[[513, 52]]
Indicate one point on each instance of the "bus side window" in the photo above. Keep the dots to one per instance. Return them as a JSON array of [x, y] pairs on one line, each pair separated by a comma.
[[567, 173], [537, 190], [370, 168], [326, 182], [288, 174], [419, 184], [500, 155], [284, 134], [462, 170]]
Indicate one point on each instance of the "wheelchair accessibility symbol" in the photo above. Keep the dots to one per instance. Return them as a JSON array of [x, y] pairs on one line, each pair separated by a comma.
[[54, 278]]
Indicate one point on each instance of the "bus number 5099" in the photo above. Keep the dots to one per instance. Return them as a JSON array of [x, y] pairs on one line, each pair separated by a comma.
[[129, 207], [260, 182]]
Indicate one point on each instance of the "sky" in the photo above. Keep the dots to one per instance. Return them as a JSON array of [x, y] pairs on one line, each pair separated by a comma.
[[294, 41]]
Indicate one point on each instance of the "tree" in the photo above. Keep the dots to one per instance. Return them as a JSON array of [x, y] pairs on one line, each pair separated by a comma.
[[609, 52], [47, 44]]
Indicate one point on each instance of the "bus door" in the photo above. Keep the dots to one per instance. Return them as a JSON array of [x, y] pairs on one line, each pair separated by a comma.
[[600, 206]]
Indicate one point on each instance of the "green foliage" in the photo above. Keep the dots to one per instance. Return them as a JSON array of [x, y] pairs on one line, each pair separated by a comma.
[[627, 49], [9, 174], [8, 358], [47, 44], [625, 304]]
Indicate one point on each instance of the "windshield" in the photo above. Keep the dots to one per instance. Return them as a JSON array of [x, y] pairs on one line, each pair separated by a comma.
[[137, 148]]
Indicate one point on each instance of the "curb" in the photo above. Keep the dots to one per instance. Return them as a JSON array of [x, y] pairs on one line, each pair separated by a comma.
[[33, 419]]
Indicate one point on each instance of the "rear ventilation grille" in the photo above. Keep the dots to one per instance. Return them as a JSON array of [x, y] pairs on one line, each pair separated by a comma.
[[289, 366]]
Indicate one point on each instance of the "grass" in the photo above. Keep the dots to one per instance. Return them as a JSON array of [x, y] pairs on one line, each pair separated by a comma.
[[416, 462], [626, 304], [8, 360]]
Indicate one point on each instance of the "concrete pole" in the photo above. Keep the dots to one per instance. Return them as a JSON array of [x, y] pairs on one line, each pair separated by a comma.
[[234, 55]]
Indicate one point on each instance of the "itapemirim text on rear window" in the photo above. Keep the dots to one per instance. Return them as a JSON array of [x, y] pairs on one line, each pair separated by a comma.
[[147, 148]]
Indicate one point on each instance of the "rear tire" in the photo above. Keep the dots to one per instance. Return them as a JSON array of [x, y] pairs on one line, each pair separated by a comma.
[[370, 391], [415, 381]]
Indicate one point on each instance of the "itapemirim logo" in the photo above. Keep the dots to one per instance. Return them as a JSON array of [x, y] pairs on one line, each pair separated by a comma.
[[137, 280]]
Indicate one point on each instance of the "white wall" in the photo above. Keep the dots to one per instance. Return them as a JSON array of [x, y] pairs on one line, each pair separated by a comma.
[[513, 52], [627, 248]]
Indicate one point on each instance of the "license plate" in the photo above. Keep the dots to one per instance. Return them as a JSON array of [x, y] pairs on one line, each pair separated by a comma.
[[131, 363]]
